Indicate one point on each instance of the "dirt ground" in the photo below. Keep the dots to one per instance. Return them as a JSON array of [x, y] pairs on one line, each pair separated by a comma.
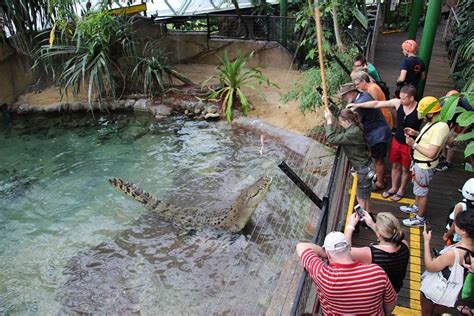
[[272, 110]]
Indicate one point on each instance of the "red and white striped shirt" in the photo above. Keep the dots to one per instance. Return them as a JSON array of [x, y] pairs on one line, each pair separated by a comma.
[[353, 288]]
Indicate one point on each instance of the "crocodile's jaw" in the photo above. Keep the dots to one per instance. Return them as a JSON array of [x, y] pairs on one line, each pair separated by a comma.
[[247, 202]]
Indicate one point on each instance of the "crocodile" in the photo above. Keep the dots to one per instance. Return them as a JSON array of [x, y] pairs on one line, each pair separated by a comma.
[[232, 219]]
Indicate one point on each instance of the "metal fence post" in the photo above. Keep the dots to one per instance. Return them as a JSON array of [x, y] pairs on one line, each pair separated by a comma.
[[208, 27]]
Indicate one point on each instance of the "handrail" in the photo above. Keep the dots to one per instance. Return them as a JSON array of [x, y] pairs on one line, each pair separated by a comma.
[[319, 228]]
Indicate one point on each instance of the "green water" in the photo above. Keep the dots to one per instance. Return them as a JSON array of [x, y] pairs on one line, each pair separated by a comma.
[[70, 243]]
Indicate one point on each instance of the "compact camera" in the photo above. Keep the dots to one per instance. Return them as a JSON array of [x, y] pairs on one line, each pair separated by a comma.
[[371, 175]]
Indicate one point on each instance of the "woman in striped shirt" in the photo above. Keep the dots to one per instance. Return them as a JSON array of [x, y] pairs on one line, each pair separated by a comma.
[[391, 253]]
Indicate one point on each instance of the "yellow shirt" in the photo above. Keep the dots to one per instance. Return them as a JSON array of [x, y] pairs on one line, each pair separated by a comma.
[[437, 136]]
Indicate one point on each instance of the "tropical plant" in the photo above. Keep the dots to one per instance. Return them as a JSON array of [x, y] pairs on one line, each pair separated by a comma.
[[94, 57], [233, 77], [153, 69], [305, 90], [464, 119]]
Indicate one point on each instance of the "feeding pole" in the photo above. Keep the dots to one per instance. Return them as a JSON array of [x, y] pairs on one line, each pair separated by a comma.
[[317, 19]]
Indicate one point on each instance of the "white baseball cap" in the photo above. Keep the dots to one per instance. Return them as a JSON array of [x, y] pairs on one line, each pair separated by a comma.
[[335, 241]]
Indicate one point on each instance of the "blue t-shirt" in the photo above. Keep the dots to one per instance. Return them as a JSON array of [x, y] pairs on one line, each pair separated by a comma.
[[375, 125], [414, 67]]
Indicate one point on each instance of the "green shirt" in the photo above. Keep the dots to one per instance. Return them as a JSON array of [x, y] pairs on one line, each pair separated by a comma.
[[352, 142], [373, 72]]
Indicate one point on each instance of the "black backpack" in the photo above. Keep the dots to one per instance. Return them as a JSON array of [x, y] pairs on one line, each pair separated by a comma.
[[385, 89]]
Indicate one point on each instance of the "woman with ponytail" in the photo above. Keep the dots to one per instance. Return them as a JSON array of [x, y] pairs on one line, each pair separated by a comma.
[[353, 143], [391, 253]]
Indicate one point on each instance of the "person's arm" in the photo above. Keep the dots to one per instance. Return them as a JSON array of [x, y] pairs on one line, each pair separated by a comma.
[[423, 76], [402, 76], [430, 152], [375, 104], [457, 209], [388, 308], [303, 246], [350, 227], [337, 138], [390, 297], [439, 263]]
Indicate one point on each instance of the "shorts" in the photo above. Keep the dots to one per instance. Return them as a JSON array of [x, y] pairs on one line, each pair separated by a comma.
[[400, 153], [421, 180], [364, 184], [379, 151]]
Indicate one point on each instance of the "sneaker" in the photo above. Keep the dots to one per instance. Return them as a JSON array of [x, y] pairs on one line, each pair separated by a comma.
[[409, 209], [414, 222], [443, 166]]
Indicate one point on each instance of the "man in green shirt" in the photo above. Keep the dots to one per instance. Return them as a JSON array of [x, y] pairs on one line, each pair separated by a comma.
[[361, 63]]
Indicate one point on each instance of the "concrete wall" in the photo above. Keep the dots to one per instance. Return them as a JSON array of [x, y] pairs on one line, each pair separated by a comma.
[[15, 74], [196, 48]]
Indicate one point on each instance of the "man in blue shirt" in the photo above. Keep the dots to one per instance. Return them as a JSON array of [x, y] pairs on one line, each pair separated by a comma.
[[375, 127]]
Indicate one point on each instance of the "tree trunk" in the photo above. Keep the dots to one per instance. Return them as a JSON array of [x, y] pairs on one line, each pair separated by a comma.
[[180, 77], [239, 14], [337, 33]]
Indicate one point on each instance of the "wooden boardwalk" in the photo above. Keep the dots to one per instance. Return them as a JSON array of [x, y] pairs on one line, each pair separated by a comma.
[[388, 57], [444, 190]]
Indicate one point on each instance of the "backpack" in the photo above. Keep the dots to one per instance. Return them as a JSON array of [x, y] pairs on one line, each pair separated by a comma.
[[385, 89]]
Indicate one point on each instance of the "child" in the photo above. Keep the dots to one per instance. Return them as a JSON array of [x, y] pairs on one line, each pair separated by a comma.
[[467, 203]]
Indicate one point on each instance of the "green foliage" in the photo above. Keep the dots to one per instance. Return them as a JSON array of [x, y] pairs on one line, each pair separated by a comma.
[[305, 89], [94, 57], [233, 76], [153, 69], [465, 118], [463, 43]]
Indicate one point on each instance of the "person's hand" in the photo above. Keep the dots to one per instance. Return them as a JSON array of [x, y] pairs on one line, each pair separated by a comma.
[[426, 234], [353, 219], [352, 106], [328, 116], [368, 219], [446, 237], [409, 131], [409, 140]]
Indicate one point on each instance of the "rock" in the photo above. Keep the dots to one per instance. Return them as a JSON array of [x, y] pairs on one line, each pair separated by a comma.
[[197, 110], [129, 104], [212, 109], [23, 108], [75, 106], [115, 104], [162, 110], [209, 116], [141, 104], [186, 112]]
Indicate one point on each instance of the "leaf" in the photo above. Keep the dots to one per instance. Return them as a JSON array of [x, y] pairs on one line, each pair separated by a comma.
[[465, 136], [466, 118], [469, 149]]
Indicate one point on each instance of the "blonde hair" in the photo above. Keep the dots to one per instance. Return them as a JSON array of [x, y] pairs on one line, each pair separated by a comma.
[[389, 228]]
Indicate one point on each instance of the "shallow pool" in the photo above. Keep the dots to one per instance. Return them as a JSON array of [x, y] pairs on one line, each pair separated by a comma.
[[70, 243]]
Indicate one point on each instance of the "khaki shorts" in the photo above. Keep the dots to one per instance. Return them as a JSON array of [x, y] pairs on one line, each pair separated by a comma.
[[421, 180]]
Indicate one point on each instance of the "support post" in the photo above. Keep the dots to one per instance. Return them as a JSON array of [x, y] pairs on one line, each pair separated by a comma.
[[428, 38], [284, 22], [417, 10], [319, 32]]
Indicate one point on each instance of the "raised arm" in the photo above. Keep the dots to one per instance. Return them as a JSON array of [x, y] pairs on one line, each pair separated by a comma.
[[393, 103], [439, 263]]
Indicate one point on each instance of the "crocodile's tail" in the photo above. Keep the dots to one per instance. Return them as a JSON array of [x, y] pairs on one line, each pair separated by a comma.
[[132, 190]]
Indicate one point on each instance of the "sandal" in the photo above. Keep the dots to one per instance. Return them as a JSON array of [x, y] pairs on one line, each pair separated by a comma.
[[465, 310], [397, 197], [387, 194]]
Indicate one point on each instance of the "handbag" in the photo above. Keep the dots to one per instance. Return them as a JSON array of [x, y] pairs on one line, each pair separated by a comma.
[[440, 290]]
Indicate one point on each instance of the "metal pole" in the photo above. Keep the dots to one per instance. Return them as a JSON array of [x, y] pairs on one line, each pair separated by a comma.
[[317, 19], [416, 11], [427, 39], [284, 22]]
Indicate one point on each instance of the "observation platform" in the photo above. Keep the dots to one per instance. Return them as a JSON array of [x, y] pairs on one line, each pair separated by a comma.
[[443, 193]]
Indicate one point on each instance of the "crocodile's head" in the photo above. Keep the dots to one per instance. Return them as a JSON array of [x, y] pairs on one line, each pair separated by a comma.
[[248, 200]]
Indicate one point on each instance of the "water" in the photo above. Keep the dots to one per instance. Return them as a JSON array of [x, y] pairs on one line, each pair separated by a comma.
[[70, 243]]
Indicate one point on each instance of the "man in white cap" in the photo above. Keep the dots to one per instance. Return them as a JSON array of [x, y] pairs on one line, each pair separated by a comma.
[[346, 286]]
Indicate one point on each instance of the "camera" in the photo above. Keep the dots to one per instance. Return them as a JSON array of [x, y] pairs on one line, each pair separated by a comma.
[[359, 211], [371, 175]]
